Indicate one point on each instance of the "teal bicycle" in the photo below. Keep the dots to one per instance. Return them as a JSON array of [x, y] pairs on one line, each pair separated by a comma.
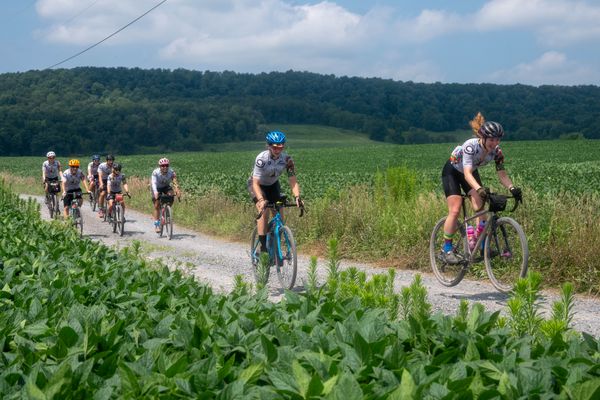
[[281, 247]]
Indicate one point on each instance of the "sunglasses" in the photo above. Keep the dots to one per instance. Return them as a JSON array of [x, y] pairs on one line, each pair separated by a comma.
[[164, 166]]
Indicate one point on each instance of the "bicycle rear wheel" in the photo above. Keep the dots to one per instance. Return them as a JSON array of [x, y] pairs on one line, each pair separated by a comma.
[[287, 265], [260, 276], [448, 274], [506, 254]]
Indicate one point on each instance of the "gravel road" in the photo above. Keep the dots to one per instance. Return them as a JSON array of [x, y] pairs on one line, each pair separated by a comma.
[[216, 262]]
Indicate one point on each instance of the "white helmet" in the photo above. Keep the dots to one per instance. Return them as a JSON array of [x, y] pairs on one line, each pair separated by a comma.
[[50, 154]]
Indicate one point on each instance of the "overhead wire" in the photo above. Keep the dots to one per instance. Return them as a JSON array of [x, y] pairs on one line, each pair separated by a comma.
[[80, 12], [106, 38]]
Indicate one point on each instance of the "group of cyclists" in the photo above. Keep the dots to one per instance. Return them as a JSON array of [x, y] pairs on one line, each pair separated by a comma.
[[460, 172], [109, 179]]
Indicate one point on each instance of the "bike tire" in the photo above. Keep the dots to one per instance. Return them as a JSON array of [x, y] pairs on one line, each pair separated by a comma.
[[57, 211], [112, 219], [506, 254], [287, 266], [77, 220], [122, 221], [50, 204], [447, 274], [117, 219], [161, 219], [255, 258], [169, 221]]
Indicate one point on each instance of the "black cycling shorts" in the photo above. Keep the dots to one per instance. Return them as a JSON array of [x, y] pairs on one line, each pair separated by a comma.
[[453, 180], [271, 193], [161, 190], [111, 196], [71, 194]]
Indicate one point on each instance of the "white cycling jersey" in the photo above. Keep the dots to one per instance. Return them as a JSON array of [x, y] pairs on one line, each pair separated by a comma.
[[160, 180], [472, 154], [93, 169], [52, 170], [268, 169], [114, 182], [73, 181], [105, 169]]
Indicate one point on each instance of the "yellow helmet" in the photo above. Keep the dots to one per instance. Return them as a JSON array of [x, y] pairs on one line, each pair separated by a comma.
[[74, 163]]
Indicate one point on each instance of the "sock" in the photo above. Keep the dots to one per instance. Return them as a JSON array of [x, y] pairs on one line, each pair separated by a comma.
[[263, 242], [448, 241], [480, 228]]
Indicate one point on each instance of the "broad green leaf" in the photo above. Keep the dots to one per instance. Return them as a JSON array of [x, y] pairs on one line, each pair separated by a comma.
[[589, 390], [302, 377], [68, 336], [251, 373]]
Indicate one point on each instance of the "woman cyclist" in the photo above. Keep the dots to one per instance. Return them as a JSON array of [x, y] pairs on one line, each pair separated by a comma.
[[71, 185], [263, 185], [460, 171], [50, 172], [92, 171], [163, 181], [115, 184]]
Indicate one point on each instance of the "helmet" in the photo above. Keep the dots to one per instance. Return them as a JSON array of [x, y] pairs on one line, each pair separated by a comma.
[[491, 129], [50, 154], [163, 161], [74, 163], [95, 157], [116, 166], [110, 157], [275, 137]]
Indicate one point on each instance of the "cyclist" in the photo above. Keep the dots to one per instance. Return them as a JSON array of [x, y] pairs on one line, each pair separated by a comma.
[[50, 172], [163, 181], [71, 185], [460, 171], [92, 171], [104, 171], [115, 183], [263, 185]]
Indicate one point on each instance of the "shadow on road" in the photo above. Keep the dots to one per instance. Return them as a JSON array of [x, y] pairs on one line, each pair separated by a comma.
[[485, 296], [179, 236]]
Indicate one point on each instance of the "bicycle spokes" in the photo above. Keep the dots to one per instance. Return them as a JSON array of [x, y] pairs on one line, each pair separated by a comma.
[[506, 254]]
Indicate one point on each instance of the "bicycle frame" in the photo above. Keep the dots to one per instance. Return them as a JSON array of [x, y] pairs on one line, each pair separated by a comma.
[[275, 225]]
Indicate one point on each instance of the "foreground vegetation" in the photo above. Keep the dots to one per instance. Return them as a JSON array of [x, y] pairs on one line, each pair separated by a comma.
[[381, 201], [80, 320]]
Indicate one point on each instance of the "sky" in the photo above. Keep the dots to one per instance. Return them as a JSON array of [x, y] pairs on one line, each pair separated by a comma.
[[533, 42]]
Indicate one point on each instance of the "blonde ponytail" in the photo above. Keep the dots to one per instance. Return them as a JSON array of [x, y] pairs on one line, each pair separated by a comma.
[[477, 123]]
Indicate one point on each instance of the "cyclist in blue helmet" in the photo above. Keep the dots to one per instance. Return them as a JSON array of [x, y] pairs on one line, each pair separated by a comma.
[[263, 184], [92, 172]]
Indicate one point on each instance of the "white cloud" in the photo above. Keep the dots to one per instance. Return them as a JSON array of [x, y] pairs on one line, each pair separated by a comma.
[[551, 66]]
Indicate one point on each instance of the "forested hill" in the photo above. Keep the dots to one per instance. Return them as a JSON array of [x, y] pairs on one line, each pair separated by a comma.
[[85, 110]]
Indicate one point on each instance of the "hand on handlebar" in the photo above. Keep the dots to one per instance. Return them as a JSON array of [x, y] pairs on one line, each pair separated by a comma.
[[517, 193]]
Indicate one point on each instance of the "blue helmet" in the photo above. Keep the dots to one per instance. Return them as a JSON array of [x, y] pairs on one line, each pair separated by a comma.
[[275, 137], [95, 157]]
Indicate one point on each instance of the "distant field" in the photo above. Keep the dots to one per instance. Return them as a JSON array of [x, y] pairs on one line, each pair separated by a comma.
[[330, 159]]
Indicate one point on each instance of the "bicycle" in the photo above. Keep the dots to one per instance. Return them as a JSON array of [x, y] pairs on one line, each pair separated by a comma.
[[75, 212], [94, 196], [281, 247], [116, 215], [165, 215], [52, 200], [502, 245]]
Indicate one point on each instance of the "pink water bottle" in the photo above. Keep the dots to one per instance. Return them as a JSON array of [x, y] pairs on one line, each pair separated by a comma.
[[471, 237]]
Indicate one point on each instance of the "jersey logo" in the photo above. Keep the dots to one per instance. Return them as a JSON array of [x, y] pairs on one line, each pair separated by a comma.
[[260, 163], [469, 149]]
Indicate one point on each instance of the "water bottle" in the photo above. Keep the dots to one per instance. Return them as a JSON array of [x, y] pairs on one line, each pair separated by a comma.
[[471, 237]]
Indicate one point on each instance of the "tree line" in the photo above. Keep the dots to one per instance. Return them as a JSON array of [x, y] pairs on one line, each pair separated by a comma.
[[132, 110]]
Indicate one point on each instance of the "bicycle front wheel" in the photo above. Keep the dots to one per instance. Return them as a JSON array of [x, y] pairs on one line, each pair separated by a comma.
[[169, 221], [50, 200], [261, 275], [506, 254], [77, 220], [114, 218], [446, 273], [287, 264], [120, 220]]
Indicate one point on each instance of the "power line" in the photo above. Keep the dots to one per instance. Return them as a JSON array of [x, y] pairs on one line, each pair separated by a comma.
[[106, 38], [80, 12]]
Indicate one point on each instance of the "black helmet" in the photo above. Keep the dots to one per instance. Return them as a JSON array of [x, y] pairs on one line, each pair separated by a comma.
[[116, 167], [491, 129], [110, 157]]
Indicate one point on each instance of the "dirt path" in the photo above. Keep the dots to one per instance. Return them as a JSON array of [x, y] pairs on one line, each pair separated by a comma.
[[216, 262]]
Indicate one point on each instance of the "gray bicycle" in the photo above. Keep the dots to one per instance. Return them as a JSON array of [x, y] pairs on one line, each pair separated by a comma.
[[502, 246]]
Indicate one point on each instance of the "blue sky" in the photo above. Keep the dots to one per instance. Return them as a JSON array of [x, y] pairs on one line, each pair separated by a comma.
[[531, 42]]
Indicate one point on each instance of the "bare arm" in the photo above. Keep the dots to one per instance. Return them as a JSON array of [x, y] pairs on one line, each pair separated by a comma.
[[468, 171], [504, 179]]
